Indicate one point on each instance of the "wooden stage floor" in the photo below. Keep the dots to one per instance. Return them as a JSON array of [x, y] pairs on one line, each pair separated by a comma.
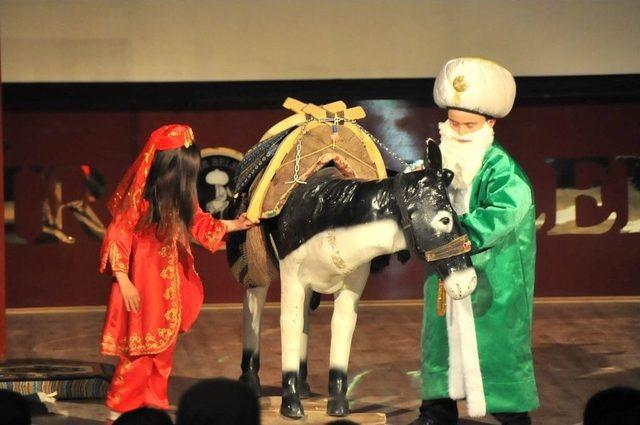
[[579, 348]]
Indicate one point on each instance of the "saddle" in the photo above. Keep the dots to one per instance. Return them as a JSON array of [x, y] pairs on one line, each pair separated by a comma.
[[287, 155], [294, 149]]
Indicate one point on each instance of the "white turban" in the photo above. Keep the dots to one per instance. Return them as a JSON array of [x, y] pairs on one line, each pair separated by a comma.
[[475, 85]]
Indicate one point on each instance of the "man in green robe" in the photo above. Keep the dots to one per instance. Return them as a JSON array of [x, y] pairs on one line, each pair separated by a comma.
[[480, 349]]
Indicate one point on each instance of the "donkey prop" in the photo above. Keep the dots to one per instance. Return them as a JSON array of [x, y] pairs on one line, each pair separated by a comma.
[[326, 236]]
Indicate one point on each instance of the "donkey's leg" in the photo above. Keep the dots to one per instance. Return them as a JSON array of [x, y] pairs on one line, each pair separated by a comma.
[[252, 306], [292, 297], [303, 385], [343, 323]]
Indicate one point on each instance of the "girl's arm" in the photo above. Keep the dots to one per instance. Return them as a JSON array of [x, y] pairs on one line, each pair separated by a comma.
[[115, 253], [116, 248], [240, 223], [129, 292], [210, 232]]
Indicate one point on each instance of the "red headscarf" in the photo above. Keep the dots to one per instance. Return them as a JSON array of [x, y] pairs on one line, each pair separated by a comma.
[[125, 202]]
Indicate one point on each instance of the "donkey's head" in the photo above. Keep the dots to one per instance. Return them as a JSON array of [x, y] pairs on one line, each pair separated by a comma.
[[436, 235]]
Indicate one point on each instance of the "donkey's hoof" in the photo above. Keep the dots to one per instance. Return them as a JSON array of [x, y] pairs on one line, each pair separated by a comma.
[[338, 406], [291, 407], [303, 389], [252, 380]]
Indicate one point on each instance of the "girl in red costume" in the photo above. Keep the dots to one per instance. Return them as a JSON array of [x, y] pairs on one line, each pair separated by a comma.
[[158, 293]]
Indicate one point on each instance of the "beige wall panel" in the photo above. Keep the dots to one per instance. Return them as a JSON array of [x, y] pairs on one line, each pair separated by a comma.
[[188, 40]]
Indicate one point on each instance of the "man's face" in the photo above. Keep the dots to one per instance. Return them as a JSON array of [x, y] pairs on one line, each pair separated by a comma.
[[463, 122]]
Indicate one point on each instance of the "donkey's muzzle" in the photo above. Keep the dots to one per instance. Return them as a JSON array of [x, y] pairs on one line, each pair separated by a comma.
[[460, 284]]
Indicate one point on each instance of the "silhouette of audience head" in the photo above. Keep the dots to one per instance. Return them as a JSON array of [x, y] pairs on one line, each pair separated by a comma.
[[218, 401], [614, 406], [14, 409], [144, 416]]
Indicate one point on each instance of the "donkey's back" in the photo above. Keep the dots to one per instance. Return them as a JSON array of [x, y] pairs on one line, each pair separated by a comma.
[[329, 201]]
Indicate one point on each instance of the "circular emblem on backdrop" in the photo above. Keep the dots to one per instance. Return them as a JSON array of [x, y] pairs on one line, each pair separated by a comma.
[[215, 179], [459, 84]]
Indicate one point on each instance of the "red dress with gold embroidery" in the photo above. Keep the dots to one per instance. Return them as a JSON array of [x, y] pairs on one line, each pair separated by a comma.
[[170, 290]]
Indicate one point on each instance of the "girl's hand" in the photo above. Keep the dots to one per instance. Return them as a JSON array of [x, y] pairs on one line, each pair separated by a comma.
[[131, 297], [129, 292], [240, 223]]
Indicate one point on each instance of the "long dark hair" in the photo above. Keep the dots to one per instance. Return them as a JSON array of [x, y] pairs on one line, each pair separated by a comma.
[[171, 192]]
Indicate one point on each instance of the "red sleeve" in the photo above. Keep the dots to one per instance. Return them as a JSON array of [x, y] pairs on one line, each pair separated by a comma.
[[208, 231], [116, 248]]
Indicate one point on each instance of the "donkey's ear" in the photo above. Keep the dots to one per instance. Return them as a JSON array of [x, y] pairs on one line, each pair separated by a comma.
[[447, 175], [432, 156]]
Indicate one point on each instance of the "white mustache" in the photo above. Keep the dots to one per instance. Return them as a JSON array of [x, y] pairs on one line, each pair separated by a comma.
[[465, 138], [446, 131]]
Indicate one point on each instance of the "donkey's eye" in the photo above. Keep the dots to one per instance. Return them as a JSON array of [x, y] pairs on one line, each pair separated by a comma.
[[442, 222]]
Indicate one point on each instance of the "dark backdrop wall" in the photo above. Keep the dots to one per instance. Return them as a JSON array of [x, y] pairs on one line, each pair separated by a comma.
[[576, 137]]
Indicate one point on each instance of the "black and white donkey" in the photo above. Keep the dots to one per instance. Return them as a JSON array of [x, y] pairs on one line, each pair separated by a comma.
[[326, 236]]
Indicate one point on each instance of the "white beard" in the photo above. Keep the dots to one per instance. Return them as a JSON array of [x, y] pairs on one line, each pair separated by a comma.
[[463, 155]]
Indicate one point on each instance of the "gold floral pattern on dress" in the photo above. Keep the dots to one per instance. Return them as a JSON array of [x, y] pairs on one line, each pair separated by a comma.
[[212, 237], [108, 343], [135, 344], [114, 257]]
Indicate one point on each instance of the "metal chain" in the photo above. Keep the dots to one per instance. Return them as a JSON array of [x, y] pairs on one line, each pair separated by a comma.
[[383, 146], [296, 167], [335, 121], [371, 136]]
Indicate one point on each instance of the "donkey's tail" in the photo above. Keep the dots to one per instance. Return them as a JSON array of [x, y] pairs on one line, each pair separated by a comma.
[[249, 254], [251, 258]]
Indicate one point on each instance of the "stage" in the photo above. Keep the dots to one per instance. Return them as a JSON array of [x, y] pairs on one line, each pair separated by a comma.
[[580, 347]]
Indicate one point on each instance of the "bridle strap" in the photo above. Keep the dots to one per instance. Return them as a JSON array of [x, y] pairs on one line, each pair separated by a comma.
[[458, 246], [405, 220]]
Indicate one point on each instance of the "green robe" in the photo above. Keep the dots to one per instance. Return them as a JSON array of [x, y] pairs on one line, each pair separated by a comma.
[[501, 226]]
